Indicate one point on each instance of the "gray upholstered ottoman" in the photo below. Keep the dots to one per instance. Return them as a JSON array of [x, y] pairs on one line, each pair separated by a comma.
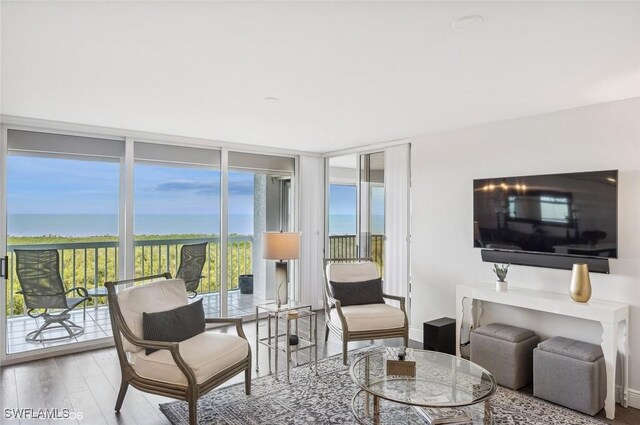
[[570, 373], [505, 351]]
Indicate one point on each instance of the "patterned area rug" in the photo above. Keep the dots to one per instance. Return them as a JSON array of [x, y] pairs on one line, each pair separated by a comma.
[[326, 399]]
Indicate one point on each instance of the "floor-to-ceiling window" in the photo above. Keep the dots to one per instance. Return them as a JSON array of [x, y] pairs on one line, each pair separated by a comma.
[[355, 212], [176, 203], [372, 207], [62, 193], [342, 193], [116, 208], [259, 200]]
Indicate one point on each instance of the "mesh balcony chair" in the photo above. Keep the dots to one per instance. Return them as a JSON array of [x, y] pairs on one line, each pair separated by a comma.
[[360, 321], [183, 370], [43, 289], [192, 259]]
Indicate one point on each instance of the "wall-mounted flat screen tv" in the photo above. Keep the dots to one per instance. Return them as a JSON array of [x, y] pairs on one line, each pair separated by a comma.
[[572, 213]]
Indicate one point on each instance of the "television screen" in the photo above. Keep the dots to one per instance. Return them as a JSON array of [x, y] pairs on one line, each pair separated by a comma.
[[574, 213]]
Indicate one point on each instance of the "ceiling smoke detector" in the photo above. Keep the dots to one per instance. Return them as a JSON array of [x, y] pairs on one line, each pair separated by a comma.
[[467, 22]]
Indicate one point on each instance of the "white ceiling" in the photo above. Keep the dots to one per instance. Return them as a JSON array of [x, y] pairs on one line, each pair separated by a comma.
[[346, 74]]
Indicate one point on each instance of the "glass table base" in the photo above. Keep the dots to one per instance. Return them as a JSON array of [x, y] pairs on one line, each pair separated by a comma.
[[370, 410]]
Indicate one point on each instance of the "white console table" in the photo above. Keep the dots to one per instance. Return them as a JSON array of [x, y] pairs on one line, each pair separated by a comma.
[[613, 316]]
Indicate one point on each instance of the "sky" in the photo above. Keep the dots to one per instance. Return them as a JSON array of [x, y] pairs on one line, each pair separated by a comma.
[[343, 208], [63, 186], [342, 199], [56, 186], [189, 190]]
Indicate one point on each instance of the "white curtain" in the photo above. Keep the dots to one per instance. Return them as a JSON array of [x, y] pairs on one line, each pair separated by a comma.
[[311, 220], [397, 174]]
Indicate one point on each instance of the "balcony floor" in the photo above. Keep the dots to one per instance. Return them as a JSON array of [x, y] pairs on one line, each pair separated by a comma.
[[97, 324]]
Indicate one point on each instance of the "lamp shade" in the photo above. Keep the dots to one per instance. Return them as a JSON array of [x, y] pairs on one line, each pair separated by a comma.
[[280, 245]]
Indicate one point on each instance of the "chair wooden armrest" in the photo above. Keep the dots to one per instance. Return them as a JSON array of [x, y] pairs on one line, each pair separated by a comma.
[[338, 306], [334, 302], [229, 320], [115, 283], [398, 298], [144, 343], [154, 381], [173, 347], [155, 345]]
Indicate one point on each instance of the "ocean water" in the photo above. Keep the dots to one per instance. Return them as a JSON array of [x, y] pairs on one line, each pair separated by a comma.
[[107, 224], [342, 224], [160, 224], [345, 224]]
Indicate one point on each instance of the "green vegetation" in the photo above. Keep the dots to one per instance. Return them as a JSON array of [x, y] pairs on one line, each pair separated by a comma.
[[92, 264], [344, 246], [501, 271], [93, 260]]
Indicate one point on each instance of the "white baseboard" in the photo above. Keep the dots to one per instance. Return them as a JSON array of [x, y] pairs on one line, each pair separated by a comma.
[[634, 398], [416, 334]]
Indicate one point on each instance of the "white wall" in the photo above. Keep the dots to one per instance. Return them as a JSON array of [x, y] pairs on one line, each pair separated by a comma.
[[599, 137], [311, 224]]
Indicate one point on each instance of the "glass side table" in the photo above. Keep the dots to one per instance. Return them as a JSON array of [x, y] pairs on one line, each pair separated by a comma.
[[277, 341]]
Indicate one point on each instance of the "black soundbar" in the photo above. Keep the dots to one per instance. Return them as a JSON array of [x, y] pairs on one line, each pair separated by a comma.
[[552, 261]]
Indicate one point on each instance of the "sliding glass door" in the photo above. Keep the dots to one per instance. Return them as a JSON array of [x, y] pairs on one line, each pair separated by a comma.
[[107, 209], [342, 200], [259, 200], [62, 194], [371, 209], [177, 203], [355, 207]]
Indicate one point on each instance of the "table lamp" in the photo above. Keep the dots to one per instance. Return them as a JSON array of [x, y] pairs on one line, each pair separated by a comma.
[[281, 246]]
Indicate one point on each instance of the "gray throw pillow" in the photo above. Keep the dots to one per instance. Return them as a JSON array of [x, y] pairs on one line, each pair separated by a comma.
[[174, 325], [358, 293]]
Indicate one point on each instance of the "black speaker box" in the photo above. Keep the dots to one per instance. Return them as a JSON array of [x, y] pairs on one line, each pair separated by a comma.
[[440, 335]]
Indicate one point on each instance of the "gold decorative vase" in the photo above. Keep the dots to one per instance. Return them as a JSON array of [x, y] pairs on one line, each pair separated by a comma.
[[580, 289]]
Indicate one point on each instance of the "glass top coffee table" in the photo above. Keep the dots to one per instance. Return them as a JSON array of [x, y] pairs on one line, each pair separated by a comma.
[[438, 385]]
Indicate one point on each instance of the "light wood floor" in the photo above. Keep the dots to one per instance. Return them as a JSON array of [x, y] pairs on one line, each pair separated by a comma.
[[88, 382]]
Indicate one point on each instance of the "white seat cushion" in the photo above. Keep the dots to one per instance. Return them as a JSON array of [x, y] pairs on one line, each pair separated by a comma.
[[352, 272], [207, 354], [153, 297], [369, 317]]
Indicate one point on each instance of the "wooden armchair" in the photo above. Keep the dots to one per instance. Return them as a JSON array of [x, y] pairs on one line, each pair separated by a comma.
[[183, 370], [364, 321]]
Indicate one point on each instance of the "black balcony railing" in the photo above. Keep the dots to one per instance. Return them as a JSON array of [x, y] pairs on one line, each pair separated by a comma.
[[90, 264], [159, 256], [345, 246]]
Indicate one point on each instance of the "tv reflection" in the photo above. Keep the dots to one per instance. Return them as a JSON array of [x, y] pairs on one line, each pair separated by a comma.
[[573, 213]]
